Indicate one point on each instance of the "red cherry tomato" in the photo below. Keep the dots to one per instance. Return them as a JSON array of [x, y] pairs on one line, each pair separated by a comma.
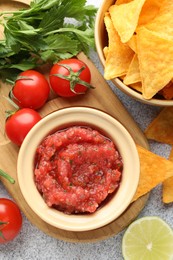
[[31, 90], [70, 77], [20, 123], [10, 220]]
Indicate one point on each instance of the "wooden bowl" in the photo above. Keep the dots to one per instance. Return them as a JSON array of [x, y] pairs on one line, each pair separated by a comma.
[[101, 40], [118, 203]]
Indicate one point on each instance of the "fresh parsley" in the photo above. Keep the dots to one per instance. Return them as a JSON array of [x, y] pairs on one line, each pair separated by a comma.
[[46, 32]]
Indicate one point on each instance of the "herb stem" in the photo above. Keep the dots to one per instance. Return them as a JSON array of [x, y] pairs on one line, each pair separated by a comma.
[[10, 12], [6, 176], [65, 30], [12, 103]]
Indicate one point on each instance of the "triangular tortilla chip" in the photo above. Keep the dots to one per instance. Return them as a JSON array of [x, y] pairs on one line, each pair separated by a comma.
[[149, 11], [133, 74], [125, 18], [118, 55], [119, 2], [167, 91], [154, 169], [155, 55], [133, 43], [137, 86], [161, 128], [167, 195], [163, 22]]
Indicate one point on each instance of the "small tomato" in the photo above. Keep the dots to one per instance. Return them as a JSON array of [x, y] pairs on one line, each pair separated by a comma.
[[20, 123], [31, 90], [10, 220], [70, 77]]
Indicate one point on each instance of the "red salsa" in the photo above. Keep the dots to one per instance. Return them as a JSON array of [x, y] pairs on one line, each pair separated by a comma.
[[76, 169]]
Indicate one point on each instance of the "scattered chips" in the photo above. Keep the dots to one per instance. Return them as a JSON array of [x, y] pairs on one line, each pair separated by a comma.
[[168, 186], [161, 128], [154, 170], [146, 26]]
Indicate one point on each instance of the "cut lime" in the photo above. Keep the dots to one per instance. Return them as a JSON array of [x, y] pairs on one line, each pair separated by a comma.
[[148, 238]]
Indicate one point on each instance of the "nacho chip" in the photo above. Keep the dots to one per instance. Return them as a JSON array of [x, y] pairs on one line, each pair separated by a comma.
[[161, 128], [133, 43], [167, 195], [149, 11], [125, 18], [119, 2], [154, 170], [167, 91], [119, 55], [105, 51], [133, 74], [137, 86], [155, 55], [163, 22]]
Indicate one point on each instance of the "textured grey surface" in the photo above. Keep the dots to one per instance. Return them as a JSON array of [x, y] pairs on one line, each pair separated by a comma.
[[34, 244]]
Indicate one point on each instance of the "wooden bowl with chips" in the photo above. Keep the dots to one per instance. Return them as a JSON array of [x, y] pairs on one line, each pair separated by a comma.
[[139, 61]]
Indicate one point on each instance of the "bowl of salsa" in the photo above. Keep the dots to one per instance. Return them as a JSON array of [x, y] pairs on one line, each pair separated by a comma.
[[78, 169]]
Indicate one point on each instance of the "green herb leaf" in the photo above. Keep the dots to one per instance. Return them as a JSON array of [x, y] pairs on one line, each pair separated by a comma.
[[49, 30]]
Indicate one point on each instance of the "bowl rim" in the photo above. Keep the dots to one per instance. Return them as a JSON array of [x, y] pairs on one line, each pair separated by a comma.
[[77, 222], [117, 82]]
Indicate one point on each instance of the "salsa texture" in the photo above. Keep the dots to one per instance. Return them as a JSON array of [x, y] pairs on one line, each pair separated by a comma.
[[76, 169]]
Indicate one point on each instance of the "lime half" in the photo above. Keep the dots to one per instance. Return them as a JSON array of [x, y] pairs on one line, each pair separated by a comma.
[[148, 238]]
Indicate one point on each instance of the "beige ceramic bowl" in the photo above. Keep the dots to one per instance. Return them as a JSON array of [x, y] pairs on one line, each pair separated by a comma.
[[101, 42], [98, 120]]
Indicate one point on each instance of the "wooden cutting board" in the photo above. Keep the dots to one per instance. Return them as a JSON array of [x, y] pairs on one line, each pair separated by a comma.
[[101, 97]]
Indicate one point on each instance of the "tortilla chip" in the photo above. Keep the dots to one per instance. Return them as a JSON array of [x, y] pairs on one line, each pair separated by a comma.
[[133, 43], [137, 86], [149, 11], [167, 91], [154, 170], [161, 128], [155, 55], [163, 22], [105, 51], [119, 2], [133, 74], [125, 18], [167, 195], [118, 56]]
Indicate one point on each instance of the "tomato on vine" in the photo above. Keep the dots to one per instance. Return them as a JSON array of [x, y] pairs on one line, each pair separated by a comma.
[[10, 220], [70, 77], [31, 90]]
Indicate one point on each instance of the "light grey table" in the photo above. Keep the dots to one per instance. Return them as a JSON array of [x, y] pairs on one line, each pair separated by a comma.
[[34, 244]]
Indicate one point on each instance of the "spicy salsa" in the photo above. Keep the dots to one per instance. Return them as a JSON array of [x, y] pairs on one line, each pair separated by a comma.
[[76, 169]]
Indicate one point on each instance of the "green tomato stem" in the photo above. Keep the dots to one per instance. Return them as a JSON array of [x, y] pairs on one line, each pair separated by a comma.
[[12, 102], [73, 78], [6, 176]]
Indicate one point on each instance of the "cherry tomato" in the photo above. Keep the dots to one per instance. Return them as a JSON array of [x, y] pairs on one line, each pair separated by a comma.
[[19, 124], [70, 77], [31, 90], [10, 220]]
